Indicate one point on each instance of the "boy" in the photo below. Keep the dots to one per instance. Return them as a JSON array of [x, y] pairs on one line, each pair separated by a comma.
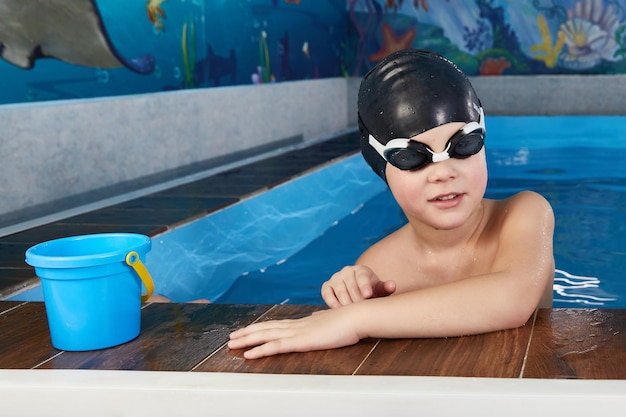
[[462, 264]]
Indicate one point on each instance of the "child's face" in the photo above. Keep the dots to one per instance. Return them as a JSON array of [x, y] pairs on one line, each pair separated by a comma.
[[442, 194]]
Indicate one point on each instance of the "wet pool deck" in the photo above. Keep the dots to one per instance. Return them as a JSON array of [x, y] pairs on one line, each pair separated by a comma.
[[560, 343]]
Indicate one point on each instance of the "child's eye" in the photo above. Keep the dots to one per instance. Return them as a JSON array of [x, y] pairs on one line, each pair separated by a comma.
[[406, 158], [469, 144]]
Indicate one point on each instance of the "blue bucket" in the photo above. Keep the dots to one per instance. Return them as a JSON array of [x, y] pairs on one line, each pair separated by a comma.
[[92, 288]]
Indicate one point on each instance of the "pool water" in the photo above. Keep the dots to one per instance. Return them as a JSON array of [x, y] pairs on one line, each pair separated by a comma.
[[589, 238], [575, 162], [589, 246]]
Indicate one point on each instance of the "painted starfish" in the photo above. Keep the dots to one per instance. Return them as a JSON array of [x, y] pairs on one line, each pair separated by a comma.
[[392, 43], [493, 66]]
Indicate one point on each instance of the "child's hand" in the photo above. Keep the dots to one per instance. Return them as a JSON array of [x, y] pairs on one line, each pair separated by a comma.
[[353, 284], [325, 329]]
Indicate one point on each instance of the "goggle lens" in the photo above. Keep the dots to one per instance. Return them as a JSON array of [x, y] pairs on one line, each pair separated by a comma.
[[467, 145], [406, 158], [408, 154]]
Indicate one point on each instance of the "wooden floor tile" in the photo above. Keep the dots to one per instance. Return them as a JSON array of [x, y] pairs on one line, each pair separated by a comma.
[[577, 343], [495, 355], [173, 338], [24, 336], [342, 361], [8, 305]]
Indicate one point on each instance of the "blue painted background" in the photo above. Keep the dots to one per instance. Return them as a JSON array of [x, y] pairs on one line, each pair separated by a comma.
[[237, 42]]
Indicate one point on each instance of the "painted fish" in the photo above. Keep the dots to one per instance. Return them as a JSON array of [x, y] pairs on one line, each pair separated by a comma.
[[156, 14]]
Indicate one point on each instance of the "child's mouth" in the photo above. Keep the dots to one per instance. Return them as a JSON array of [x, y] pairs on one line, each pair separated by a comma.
[[446, 197]]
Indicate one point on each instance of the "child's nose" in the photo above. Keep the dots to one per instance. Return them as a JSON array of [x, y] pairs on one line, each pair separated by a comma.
[[441, 171]]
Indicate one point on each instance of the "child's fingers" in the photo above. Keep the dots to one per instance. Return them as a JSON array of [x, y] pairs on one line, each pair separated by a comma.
[[329, 297], [366, 280], [342, 293], [358, 287], [337, 291], [267, 349], [259, 333], [384, 288], [350, 285], [259, 327]]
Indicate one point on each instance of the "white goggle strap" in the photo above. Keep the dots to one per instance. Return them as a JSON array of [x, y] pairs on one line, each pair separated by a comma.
[[403, 144], [392, 144], [437, 156], [472, 126]]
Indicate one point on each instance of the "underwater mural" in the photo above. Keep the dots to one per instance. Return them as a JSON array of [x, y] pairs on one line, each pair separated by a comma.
[[65, 49], [493, 37], [69, 30]]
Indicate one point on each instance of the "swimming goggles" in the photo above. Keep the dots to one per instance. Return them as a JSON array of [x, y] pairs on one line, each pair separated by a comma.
[[407, 154]]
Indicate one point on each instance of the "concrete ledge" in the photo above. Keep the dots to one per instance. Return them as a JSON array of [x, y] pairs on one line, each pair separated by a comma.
[[552, 94], [59, 149], [540, 95]]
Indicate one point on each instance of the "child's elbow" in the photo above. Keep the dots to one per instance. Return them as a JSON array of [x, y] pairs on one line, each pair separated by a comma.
[[516, 310], [517, 317], [520, 319]]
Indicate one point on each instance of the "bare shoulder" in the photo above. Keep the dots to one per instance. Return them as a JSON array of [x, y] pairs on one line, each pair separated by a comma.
[[525, 207], [530, 199], [525, 233], [524, 219]]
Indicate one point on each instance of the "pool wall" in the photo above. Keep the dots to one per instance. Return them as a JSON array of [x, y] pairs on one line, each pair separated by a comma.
[[66, 154]]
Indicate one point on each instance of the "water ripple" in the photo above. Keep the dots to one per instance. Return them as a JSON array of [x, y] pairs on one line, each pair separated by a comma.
[[577, 289]]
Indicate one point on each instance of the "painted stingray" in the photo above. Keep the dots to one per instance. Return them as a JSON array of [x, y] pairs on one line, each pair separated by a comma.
[[68, 30]]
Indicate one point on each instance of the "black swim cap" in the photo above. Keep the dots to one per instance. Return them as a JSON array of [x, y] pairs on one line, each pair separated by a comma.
[[408, 93]]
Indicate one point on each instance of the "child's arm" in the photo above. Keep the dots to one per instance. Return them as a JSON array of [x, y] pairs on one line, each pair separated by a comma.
[[502, 299]]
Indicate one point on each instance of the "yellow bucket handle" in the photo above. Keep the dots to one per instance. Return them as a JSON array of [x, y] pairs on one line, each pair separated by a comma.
[[132, 259]]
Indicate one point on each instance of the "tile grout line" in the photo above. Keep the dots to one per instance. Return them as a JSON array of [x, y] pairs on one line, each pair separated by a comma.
[[530, 339], [196, 366], [223, 345], [366, 357], [48, 360], [13, 308]]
